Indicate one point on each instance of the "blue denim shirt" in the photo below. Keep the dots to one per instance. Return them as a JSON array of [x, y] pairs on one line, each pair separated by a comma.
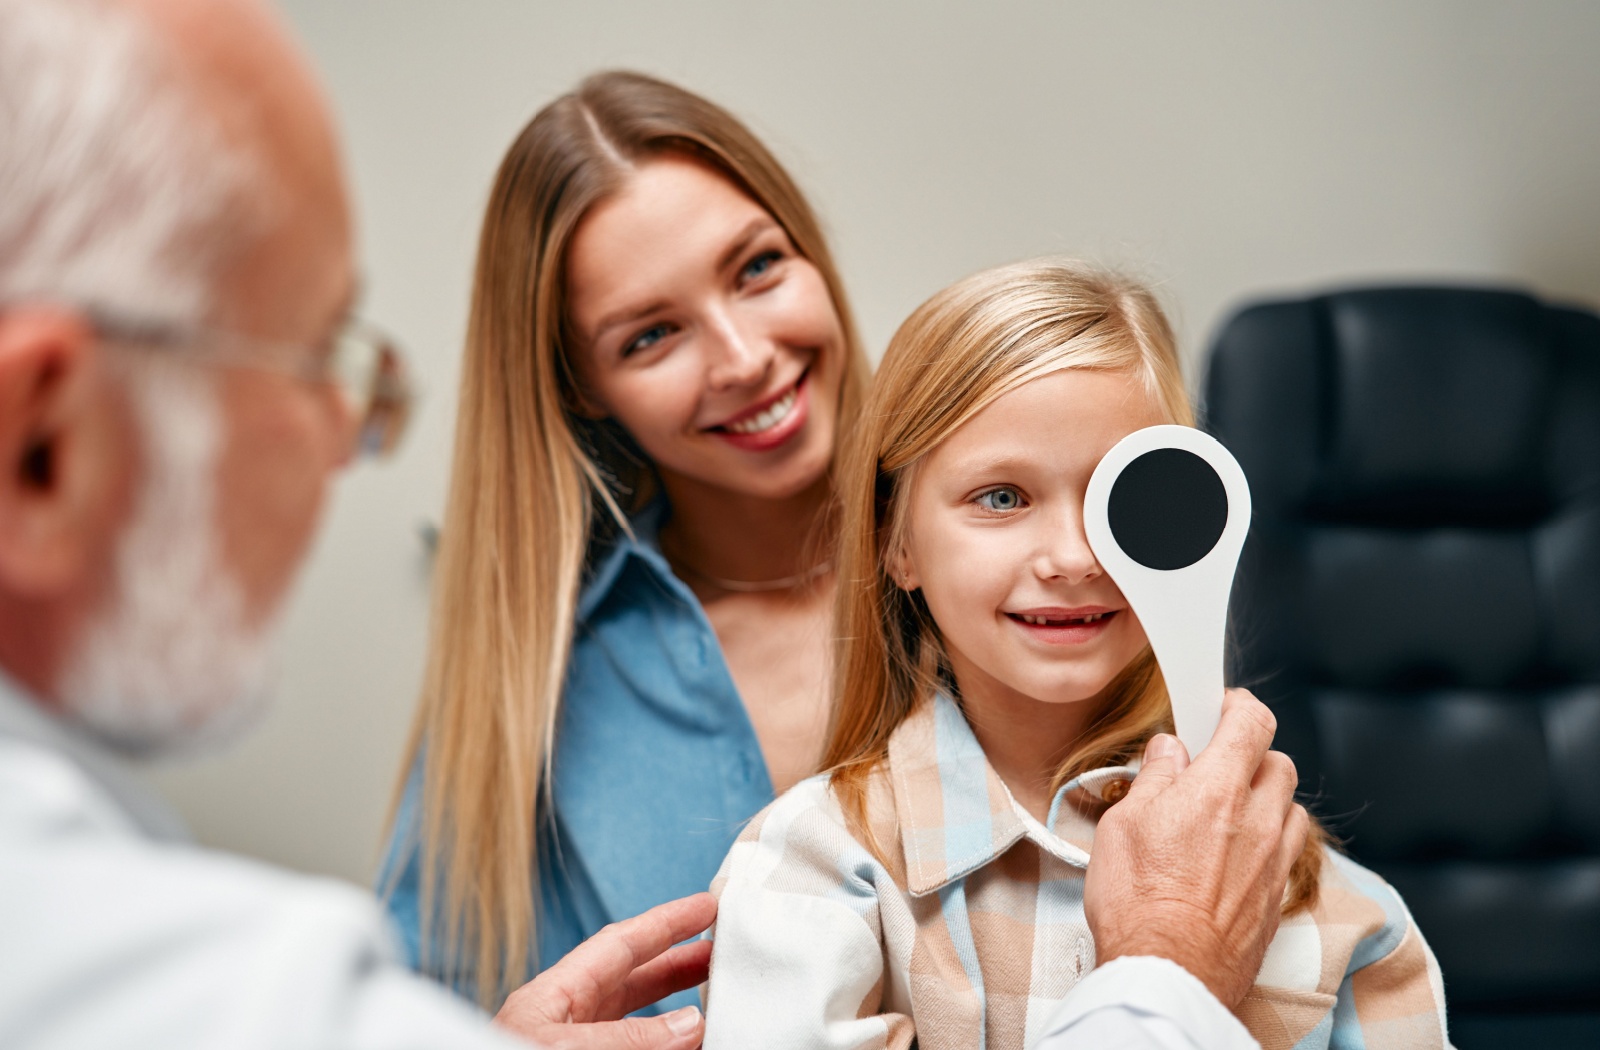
[[657, 766]]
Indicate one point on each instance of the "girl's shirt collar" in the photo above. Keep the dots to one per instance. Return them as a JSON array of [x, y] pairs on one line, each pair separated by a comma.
[[956, 814]]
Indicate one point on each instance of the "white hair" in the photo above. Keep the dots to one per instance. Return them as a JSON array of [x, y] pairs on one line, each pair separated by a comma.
[[119, 191], [173, 664], [122, 195]]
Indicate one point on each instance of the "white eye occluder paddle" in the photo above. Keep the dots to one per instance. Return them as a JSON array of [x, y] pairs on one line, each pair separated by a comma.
[[1166, 514]]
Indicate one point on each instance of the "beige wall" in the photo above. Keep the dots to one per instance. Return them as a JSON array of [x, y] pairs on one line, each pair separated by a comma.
[[1222, 149]]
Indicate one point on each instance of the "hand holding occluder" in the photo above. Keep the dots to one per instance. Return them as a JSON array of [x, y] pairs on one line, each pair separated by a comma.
[[1191, 865], [582, 1002]]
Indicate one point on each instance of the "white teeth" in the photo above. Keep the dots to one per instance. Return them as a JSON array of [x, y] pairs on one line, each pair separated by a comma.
[[769, 417], [1044, 621]]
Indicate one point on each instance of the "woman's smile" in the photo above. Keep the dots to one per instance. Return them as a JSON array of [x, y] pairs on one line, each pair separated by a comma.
[[770, 423]]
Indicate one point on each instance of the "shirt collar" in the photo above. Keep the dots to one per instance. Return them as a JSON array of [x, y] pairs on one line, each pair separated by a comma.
[[24, 718], [607, 562], [955, 813]]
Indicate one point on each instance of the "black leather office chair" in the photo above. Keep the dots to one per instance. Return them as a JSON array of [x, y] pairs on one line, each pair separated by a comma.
[[1419, 600]]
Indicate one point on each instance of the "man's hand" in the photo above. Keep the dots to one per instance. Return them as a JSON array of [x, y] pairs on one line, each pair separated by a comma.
[[1191, 865], [582, 1002]]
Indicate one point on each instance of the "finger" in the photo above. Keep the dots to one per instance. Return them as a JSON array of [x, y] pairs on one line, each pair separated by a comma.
[[679, 1030], [597, 969], [675, 920], [1164, 758], [681, 967], [1296, 830], [1165, 745], [1243, 737], [1275, 780]]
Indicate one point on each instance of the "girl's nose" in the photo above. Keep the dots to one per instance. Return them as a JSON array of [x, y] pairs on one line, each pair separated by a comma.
[[738, 357], [1063, 552]]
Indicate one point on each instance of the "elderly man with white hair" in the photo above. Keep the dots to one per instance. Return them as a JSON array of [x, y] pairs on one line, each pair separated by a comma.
[[180, 378], [178, 382]]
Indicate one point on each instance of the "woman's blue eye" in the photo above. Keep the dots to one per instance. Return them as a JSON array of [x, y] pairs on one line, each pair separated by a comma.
[[1000, 499], [759, 266], [646, 339]]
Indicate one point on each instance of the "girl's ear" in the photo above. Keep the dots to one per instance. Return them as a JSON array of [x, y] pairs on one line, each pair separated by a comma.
[[903, 570]]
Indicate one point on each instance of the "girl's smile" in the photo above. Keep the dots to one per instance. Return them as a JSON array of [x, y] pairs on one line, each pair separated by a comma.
[[1058, 626]]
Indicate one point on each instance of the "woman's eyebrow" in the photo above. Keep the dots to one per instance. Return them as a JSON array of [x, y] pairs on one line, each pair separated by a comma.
[[741, 241], [626, 315], [752, 229]]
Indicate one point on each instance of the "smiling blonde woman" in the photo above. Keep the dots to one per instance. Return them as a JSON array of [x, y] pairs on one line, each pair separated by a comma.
[[629, 648]]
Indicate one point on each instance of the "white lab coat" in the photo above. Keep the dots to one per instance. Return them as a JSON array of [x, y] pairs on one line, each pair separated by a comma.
[[116, 933]]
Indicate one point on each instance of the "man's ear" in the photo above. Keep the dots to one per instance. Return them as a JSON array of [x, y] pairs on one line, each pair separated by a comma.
[[62, 466]]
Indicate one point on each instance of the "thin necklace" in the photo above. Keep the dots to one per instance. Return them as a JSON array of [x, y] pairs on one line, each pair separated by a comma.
[[783, 583]]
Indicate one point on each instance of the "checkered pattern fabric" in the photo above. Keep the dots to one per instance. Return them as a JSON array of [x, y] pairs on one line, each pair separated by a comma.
[[974, 933]]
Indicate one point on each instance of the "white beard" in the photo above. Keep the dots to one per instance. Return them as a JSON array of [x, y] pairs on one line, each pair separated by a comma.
[[171, 665]]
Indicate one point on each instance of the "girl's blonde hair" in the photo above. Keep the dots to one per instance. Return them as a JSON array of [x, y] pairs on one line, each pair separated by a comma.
[[533, 484], [958, 353]]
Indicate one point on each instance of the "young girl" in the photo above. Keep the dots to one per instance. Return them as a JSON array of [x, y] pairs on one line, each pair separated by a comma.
[[992, 690]]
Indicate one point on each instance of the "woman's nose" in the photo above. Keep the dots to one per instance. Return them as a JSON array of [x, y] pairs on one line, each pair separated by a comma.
[[1063, 550], [738, 356]]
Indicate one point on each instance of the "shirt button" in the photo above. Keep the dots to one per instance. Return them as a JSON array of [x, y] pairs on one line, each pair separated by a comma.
[[1115, 791]]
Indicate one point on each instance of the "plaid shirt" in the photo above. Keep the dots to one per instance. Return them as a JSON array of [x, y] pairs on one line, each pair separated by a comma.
[[975, 932]]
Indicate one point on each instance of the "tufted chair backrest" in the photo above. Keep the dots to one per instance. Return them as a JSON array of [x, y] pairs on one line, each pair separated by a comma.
[[1419, 600]]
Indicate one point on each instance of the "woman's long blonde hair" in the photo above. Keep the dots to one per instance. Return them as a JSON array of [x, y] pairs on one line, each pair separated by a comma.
[[533, 484], [959, 352]]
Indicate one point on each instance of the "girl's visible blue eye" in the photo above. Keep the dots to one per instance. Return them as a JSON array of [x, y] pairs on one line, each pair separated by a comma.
[[760, 266], [646, 339], [1000, 499]]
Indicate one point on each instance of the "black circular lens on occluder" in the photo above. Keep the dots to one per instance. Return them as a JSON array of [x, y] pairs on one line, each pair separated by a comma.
[[1167, 509]]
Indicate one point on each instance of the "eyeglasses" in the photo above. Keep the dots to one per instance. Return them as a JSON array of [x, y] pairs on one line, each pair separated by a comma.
[[361, 362]]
